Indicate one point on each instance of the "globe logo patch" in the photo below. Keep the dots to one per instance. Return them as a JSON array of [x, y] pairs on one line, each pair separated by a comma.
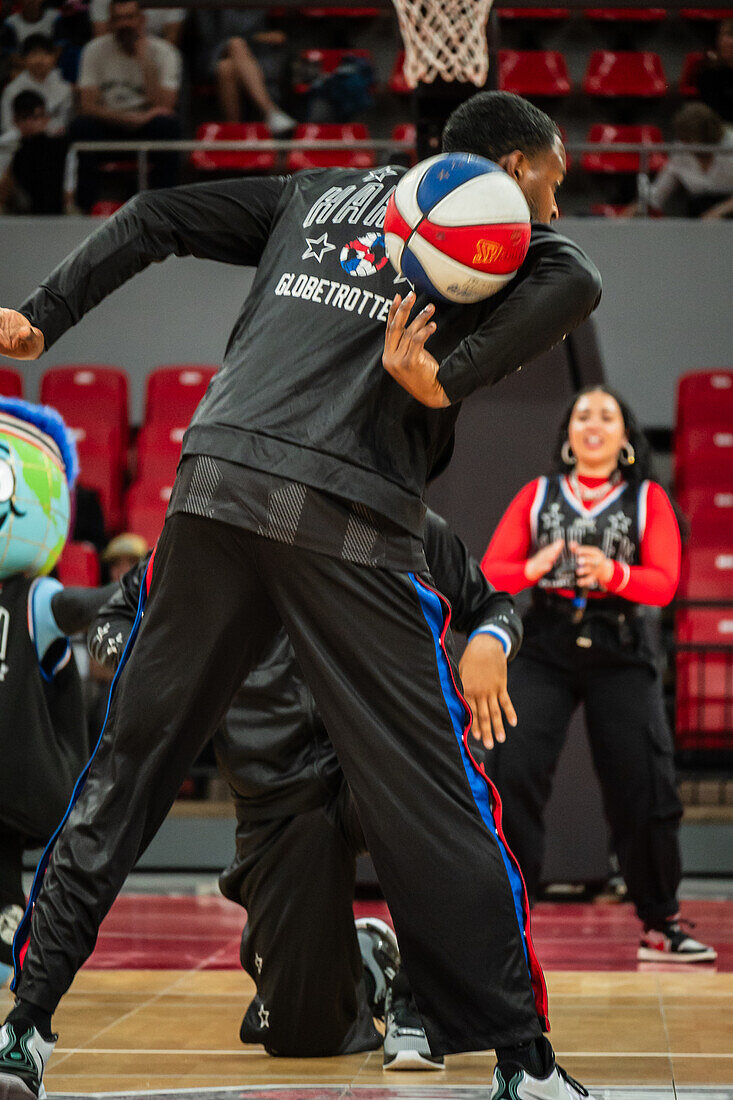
[[364, 256]]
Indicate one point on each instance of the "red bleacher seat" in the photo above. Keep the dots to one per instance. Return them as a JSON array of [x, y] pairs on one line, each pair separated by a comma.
[[533, 73], [158, 451], [208, 160], [145, 508], [397, 82], [626, 15], [405, 131], [690, 71], [102, 460], [704, 706], [703, 456], [173, 392], [88, 394], [327, 158], [707, 573], [636, 74], [711, 525], [602, 133], [105, 208], [715, 504], [78, 565], [705, 397], [11, 382], [707, 15], [534, 13], [322, 62], [608, 209]]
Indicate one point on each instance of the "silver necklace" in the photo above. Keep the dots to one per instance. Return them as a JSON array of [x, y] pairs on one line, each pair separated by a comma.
[[584, 492]]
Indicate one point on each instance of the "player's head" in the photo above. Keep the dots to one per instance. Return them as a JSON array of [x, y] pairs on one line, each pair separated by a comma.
[[29, 113], [596, 426], [39, 55], [517, 135]]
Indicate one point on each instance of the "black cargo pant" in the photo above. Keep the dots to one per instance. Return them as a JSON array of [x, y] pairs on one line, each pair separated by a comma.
[[631, 747], [295, 876], [371, 645]]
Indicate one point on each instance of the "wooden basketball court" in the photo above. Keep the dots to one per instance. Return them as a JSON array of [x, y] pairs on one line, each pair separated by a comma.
[[159, 1006]]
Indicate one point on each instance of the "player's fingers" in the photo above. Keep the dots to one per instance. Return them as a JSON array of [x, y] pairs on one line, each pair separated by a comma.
[[422, 319], [419, 339], [393, 333], [476, 732], [508, 707], [484, 721], [496, 720]]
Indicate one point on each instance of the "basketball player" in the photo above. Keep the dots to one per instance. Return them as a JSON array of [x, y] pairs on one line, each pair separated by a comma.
[[298, 834], [298, 503]]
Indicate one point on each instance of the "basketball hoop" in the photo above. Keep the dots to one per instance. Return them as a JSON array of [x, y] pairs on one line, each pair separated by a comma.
[[444, 38]]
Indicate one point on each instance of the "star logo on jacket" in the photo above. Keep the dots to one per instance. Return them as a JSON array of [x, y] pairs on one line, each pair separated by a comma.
[[379, 175], [264, 1016], [318, 247]]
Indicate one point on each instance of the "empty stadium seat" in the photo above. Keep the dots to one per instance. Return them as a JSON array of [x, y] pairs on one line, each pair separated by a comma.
[[316, 63], [715, 505], [105, 208], [626, 15], [707, 573], [705, 397], [158, 452], [711, 525], [326, 158], [209, 160], [690, 71], [543, 14], [625, 73], [11, 382], [102, 461], [540, 73], [78, 565], [703, 456], [173, 392], [602, 133], [706, 15], [88, 394], [145, 508], [397, 83], [704, 687]]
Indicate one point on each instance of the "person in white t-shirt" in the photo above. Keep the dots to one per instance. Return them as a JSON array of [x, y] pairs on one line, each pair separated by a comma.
[[128, 88], [39, 75], [33, 18], [162, 22]]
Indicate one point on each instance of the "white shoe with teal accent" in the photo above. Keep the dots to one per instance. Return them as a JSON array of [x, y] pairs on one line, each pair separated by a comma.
[[512, 1082], [23, 1057]]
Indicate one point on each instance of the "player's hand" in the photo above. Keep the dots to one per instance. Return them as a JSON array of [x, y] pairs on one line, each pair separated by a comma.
[[483, 674], [18, 337], [405, 356], [543, 561], [591, 565]]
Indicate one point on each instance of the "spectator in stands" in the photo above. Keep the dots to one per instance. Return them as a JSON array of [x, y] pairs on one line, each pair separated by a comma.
[[124, 552], [32, 18], [704, 181], [34, 181], [39, 75], [229, 39], [594, 541], [128, 88], [715, 78], [164, 23]]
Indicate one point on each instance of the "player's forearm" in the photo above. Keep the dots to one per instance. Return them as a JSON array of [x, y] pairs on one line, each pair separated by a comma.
[[74, 608], [563, 289]]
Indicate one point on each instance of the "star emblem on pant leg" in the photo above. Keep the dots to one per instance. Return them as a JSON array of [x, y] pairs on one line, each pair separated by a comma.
[[318, 247], [264, 1015], [258, 963], [379, 175]]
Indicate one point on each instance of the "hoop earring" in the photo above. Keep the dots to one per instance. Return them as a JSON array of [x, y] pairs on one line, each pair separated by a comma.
[[567, 455], [627, 455]]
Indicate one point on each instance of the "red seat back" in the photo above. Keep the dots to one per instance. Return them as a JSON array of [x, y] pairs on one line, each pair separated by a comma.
[[209, 160], [626, 15], [704, 689], [145, 508], [331, 131], [173, 392], [625, 73], [88, 395], [11, 382], [533, 72], [397, 82], [707, 573], [78, 565], [102, 460], [158, 452], [602, 133], [705, 397], [690, 72], [703, 456]]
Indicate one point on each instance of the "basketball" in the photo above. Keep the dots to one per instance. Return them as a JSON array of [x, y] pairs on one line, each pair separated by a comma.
[[457, 227]]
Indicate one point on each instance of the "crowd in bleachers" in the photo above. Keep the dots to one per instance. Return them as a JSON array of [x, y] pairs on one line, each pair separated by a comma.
[[107, 70]]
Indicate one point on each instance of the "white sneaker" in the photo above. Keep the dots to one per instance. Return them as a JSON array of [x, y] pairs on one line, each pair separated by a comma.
[[23, 1057], [405, 1042], [514, 1083], [280, 122], [671, 944]]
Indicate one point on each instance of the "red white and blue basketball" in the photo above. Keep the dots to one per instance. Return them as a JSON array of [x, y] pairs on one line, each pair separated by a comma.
[[457, 227]]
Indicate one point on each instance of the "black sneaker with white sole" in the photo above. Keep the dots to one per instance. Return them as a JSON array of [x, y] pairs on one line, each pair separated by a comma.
[[23, 1056], [406, 1045], [381, 958], [669, 942]]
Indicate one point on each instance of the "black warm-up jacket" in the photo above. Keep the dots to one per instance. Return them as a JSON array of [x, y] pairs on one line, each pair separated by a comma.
[[302, 392], [273, 748]]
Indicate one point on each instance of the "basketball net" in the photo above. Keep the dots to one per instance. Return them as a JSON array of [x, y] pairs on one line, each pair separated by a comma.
[[445, 38]]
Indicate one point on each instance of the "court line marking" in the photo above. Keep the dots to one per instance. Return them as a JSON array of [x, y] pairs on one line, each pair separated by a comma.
[[182, 1052]]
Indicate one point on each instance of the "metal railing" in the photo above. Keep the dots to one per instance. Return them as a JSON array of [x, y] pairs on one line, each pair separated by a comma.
[[143, 149]]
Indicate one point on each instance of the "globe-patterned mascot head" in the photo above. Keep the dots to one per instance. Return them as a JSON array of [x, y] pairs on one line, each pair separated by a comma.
[[38, 468]]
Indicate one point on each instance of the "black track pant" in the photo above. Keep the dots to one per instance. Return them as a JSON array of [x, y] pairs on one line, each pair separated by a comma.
[[631, 748], [369, 644], [295, 877]]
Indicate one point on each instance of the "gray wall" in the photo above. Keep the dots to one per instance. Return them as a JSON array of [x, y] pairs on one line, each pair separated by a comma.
[[667, 304]]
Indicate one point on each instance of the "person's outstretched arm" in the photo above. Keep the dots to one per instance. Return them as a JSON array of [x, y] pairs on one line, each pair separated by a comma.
[[228, 221]]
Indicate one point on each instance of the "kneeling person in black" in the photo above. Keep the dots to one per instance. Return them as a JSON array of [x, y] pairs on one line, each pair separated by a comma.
[[298, 833]]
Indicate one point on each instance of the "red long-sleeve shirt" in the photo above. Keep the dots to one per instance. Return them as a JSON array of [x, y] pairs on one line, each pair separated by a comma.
[[653, 582]]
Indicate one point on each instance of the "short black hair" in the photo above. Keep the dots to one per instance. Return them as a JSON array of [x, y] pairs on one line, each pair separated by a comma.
[[25, 105], [492, 124], [37, 42]]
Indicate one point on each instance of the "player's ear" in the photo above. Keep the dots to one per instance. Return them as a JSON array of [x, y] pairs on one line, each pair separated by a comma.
[[514, 164]]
